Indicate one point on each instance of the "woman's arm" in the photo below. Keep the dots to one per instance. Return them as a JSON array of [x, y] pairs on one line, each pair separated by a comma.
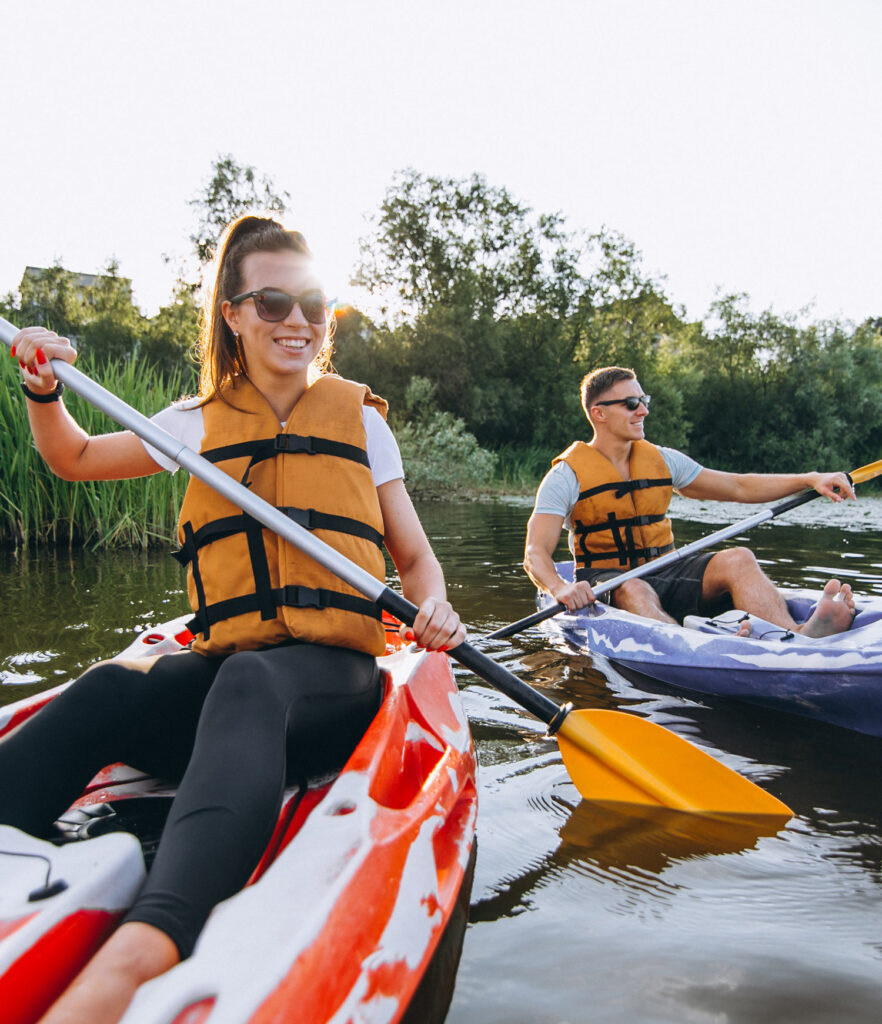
[[66, 448], [437, 626]]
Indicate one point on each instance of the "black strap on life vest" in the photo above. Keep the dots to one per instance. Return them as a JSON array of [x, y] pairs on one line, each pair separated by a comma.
[[644, 555], [289, 597], [308, 518], [623, 487], [284, 444], [265, 599], [622, 531], [621, 528]]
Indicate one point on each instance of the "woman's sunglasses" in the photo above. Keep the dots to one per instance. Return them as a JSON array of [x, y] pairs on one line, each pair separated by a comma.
[[630, 403], [273, 305]]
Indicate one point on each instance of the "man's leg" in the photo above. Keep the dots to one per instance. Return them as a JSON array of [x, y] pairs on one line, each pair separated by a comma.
[[638, 597], [736, 571]]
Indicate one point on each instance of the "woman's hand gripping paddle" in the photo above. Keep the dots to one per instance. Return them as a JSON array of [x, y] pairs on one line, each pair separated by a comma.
[[611, 756], [857, 476]]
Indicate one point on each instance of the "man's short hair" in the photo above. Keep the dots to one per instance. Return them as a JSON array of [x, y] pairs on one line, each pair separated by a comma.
[[595, 383]]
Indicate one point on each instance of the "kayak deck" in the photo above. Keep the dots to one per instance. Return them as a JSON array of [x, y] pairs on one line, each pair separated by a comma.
[[837, 679], [342, 915]]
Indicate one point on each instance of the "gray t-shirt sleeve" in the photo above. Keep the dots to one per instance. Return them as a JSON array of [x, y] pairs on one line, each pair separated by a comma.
[[683, 469], [558, 492]]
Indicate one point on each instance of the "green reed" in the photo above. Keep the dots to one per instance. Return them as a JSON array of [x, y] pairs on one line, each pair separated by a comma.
[[36, 507]]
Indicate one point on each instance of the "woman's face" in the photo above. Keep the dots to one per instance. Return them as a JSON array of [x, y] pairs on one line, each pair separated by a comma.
[[291, 344]]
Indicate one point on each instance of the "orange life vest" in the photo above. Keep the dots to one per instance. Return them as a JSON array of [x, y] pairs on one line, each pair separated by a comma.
[[248, 587], [619, 524]]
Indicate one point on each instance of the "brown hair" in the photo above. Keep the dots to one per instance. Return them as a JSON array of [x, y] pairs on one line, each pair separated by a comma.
[[595, 383], [220, 353]]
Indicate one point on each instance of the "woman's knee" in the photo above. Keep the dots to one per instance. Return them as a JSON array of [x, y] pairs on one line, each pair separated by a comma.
[[103, 685]]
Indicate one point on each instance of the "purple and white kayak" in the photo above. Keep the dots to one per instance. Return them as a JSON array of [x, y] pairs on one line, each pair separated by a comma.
[[835, 679]]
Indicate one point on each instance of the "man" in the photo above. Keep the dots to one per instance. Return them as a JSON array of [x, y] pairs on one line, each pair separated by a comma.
[[613, 493]]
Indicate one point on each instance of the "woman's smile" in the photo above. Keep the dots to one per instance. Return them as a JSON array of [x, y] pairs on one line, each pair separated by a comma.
[[296, 343]]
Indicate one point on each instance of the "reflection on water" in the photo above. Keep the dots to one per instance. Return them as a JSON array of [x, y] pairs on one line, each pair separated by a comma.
[[62, 611], [582, 913]]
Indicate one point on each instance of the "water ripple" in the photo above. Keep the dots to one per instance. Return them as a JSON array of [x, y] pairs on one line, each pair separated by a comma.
[[584, 913]]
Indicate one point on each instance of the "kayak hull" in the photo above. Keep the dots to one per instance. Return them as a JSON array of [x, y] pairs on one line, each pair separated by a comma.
[[343, 914], [837, 680]]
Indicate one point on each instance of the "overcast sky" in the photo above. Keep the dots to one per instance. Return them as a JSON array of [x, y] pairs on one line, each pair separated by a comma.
[[738, 144]]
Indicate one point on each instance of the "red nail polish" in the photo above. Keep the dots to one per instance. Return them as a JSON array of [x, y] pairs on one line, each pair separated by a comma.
[[409, 636], [12, 352], [21, 364], [41, 357]]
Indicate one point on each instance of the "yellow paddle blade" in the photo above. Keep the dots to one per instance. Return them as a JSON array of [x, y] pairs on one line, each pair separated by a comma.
[[618, 758], [865, 473]]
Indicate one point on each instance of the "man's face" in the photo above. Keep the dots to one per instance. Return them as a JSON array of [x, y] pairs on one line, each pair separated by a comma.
[[611, 416]]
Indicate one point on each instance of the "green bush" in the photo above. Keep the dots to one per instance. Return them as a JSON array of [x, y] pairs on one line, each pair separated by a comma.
[[441, 458]]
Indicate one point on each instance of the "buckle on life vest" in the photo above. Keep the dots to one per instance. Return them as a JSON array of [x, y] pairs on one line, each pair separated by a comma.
[[303, 597], [294, 443], [302, 516]]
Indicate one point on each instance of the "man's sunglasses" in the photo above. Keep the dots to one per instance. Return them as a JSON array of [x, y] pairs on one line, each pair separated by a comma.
[[630, 403], [273, 305]]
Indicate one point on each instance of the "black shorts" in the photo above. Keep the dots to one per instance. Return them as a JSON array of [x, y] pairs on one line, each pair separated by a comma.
[[678, 586]]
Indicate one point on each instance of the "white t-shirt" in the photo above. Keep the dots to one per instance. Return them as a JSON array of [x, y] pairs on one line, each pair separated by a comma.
[[559, 491], [184, 422]]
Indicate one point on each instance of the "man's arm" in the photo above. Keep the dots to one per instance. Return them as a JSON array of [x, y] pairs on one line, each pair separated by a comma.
[[543, 533], [755, 488]]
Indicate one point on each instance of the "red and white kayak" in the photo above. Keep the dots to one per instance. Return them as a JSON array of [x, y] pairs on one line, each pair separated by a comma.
[[365, 875]]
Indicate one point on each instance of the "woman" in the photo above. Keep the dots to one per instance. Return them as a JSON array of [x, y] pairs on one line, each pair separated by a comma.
[[282, 671]]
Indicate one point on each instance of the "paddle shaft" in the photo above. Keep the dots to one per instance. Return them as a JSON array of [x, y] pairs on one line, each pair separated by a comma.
[[270, 517], [733, 530]]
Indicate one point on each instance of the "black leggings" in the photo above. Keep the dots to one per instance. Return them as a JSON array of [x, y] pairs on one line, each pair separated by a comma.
[[233, 729]]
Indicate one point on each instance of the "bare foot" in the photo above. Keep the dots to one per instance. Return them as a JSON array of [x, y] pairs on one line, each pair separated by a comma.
[[135, 953], [834, 612], [744, 627]]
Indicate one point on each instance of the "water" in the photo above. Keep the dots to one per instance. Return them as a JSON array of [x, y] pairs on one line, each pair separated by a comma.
[[580, 915]]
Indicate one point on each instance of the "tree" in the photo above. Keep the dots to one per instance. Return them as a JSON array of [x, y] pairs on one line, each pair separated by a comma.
[[233, 190], [171, 334], [53, 298], [766, 395], [114, 325], [479, 285], [464, 245]]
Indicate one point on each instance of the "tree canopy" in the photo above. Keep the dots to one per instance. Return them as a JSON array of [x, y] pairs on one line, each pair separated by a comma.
[[503, 311], [232, 190], [491, 313]]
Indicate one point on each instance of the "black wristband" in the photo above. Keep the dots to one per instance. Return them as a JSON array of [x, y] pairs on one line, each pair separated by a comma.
[[52, 396]]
